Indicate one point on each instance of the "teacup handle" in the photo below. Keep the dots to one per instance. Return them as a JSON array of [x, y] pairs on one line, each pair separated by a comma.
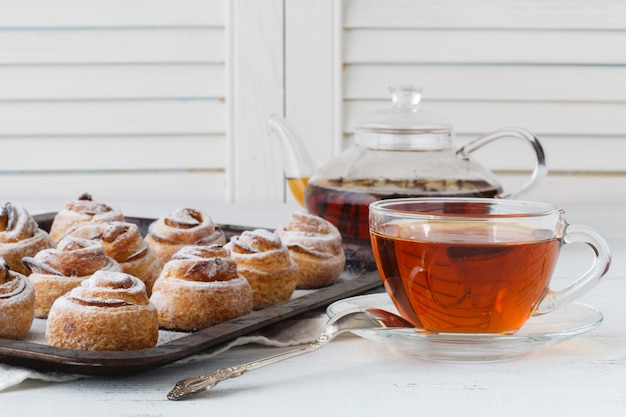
[[540, 169], [579, 234]]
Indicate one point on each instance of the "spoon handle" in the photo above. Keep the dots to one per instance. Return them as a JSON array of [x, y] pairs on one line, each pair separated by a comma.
[[196, 384]]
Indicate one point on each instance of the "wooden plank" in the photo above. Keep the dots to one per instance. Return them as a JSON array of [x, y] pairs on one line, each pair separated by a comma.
[[485, 46], [309, 38], [78, 13], [545, 118], [527, 14], [489, 82], [166, 186], [113, 153], [256, 92], [117, 45], [142, 117], [579, 155], [569, 190], [74, 82], [587, 155]]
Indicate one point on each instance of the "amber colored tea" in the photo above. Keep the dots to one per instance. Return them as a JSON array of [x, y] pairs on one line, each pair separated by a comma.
[[465, 277], [297, 186], [346, 203]]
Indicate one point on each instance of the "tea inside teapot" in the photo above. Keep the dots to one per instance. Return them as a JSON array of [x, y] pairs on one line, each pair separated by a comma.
[[345, 202]]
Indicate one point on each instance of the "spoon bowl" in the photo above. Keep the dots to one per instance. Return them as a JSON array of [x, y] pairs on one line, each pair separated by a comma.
[[348, 320]]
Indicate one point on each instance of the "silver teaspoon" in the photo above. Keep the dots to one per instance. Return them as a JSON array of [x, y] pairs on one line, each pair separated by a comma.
[[369, 318]]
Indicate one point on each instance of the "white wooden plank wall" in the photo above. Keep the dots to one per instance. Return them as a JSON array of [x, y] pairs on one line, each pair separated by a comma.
[[557, 68], [122, 99], [168, 99]]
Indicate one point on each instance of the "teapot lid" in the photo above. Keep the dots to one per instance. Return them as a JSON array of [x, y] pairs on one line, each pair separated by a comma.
[[405, 125]]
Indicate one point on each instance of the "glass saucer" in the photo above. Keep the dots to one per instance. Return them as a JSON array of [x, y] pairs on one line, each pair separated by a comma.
[[538, 332]]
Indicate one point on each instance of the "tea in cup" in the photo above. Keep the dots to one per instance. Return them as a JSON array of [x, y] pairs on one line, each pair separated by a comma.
[[476, 265]]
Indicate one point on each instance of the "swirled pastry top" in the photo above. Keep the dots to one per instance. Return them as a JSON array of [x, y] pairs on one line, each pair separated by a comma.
[[110, 289], [73, 257], [315, 245], [17, 303], [261, 246], [83, 210], [20, 236], [202, 264], [264, 261], [16, 224], [11, 283], [311, 234], [186, 225], [122, 241]]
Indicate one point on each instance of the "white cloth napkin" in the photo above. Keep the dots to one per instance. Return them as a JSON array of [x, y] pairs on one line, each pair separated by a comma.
[[289, 333]]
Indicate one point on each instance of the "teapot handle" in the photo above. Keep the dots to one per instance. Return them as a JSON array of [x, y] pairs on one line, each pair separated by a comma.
[[540, 169]]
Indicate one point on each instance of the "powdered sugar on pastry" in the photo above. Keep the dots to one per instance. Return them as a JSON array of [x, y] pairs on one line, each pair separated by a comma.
[[82, 212], [56, 271], [200, 287], [17, 303], [316, 246], [183, 227], [123, 242], [108, 311], [264, 261], [20, 236]]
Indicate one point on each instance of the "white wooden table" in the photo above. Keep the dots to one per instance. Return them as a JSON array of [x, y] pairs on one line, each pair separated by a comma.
[[354, 376]]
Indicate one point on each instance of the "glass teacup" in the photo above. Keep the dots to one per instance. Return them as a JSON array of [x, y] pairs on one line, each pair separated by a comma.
[[476, 265]]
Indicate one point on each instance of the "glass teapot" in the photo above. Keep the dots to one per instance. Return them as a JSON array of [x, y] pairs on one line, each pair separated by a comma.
[[402, 151]]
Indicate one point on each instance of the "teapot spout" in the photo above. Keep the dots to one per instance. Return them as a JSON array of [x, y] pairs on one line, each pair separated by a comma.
[[297, 164], [296, 160]]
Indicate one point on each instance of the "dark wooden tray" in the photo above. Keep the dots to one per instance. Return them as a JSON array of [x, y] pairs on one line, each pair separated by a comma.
[[361, 276]]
